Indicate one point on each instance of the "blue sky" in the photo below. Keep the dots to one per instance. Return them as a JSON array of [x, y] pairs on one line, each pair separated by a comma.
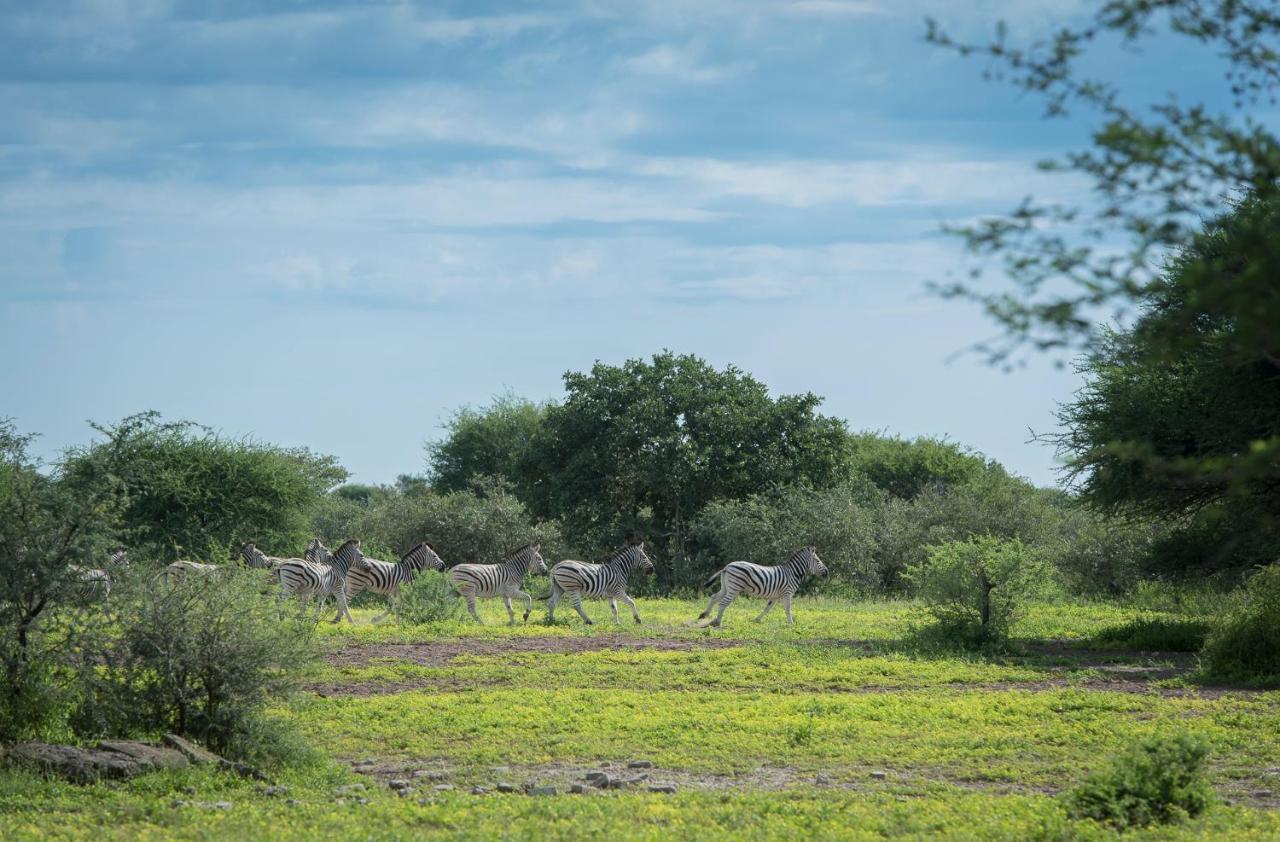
[[330, 224]]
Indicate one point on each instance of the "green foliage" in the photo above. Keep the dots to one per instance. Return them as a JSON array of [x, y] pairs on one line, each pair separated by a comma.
[[1159, 634], [1159, 781], [203, 656], [766, 529], [493, 441], [1245, 641], [645, 446], [189, 492], [48, 521], [1100, 556], [429, 598], [976, 587], [906, 469]]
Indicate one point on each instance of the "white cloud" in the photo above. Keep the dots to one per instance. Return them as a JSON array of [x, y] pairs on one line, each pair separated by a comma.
[[832, 8], [681, 64]]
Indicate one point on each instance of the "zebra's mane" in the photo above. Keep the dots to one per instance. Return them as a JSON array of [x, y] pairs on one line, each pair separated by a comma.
[[796, 555], [517, 552], [417, 547], [623, 550]]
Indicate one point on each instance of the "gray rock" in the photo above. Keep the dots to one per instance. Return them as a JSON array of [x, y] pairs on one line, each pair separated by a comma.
[[404, 793], [506, 787], [600, 780], [640, 764], [1261, 793], [579, 789], [543, 790], [215, 805], [431, 774], [86, 765], [479, 790], [348, 789], [399, 783], [443, 787], [273, 791], [821, 779], [668, 788], [148, 756], [879, 776], [194, 753]]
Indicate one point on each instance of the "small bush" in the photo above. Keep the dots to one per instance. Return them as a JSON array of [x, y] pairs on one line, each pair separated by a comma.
[[1158, 781], [429, 598], [975, 588], [1155, 633], [203, 657], [1244, 644]]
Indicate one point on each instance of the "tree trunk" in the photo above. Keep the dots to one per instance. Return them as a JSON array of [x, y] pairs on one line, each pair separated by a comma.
[[984, 606]]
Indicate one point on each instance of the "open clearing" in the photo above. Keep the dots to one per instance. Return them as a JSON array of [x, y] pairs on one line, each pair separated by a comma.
[[836, 727]]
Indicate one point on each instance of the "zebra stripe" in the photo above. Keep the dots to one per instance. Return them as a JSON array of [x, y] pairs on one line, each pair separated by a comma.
[[305, 579], [578, 579], [502, 579], [771, 583], [182, 568], [258, 560], [386, 578]]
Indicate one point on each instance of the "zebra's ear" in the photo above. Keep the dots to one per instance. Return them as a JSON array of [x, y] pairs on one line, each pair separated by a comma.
[[537, 548]]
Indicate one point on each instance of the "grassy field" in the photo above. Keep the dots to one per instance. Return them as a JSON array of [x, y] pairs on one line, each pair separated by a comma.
[[840, 726]]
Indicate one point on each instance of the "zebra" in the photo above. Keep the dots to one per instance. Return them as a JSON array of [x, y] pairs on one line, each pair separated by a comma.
[[386, 578], [93, 582], [502, 579], [305, 579], [598, 581], [771, 583], [258, 560], [182, 568]]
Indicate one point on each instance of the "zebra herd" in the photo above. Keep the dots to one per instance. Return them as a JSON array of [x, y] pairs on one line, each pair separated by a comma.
[[345, 572]]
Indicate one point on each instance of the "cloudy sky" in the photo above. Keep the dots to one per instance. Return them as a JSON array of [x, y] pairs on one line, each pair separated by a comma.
[[330, 224]]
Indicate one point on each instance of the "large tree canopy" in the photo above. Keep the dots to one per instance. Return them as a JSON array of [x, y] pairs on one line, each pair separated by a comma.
[[492, 441], [1175, 420], [646, 445]]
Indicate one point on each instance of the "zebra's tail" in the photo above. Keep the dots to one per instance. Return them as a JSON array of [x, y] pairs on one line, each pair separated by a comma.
[[555, 590], [712, 578]]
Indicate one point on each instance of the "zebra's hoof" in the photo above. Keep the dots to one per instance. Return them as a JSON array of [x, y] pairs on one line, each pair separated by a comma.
[[637, 621], [589, 623]]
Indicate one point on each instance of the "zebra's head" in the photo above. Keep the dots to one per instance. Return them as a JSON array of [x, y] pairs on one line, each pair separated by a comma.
[[119, 557], [253, 556], [814, 567], [639, 559], [423, 557], [537, 564], [347, 555], [317, 552]]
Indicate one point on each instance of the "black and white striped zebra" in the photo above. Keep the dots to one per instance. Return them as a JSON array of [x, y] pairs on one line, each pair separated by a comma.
[[771, 583], [502, 579], [93, 583], [578, 579], [370, 574], [258, 560], [178, 570], [305, 579]]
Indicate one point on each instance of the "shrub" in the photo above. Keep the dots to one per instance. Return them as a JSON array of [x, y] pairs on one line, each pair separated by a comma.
[[975, 588], [429, 598], [1158, 781], [202, 657], [1102, 556], [1244, 643], [1156, 634]]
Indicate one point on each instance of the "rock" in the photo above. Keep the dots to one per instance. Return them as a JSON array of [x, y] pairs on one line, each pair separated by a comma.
[[348, 789], [1261, 793], [579, 789], [500, 770], [640, 764], [404, 793], [542, 790], [619, 783], [272, 791], [216, 805], [506, 787], [479, 790], [194, 753], [879, 776], [431, 774], [443, 787], [292, 802], [821, 779], [148, 756], [668, 788], [600, 780], [83, 765], [399, 783]]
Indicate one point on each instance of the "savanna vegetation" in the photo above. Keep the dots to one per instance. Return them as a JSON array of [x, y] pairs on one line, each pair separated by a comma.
[[987, 659]]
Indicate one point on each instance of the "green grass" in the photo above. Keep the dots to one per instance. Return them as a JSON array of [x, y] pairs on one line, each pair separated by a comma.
[[969, 746]]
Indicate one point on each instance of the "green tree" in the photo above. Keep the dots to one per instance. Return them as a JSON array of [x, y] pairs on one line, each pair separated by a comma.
[[187, 490], [907, 468], [493, 441], [646, 445], [49, 521], [1174, 424]]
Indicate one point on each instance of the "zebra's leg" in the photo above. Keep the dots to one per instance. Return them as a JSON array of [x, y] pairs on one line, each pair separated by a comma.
[[767, 608], [577, 604], [786, 604], [613, 606], [725, 602], [715, 597], [511, 615], [471, 606], [635, 612], [528, 602], [553, 601]]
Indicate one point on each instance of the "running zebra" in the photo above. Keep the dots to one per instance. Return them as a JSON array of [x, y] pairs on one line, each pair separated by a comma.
[[386, 578], [771, 583], [305, 579], [577, 579], [180, 569], [502, 579], [92, 583], [258, 560]]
